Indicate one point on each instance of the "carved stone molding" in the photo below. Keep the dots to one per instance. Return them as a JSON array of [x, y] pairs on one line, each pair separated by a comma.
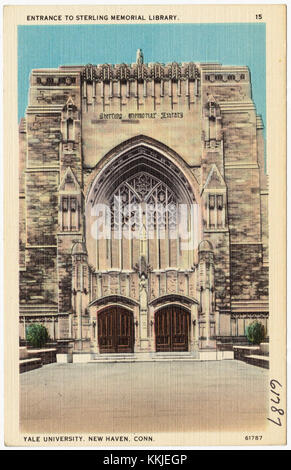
[[156, 71]]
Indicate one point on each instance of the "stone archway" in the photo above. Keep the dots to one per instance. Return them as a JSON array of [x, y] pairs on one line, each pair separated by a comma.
[[158, 261], [149, 185], [118, 156]]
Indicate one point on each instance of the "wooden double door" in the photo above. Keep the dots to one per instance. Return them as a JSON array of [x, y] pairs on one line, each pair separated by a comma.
[[172, 326], [115, 330]]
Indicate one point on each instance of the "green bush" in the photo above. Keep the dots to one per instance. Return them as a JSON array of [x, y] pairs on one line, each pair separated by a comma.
[[255, 332], [37, 335]]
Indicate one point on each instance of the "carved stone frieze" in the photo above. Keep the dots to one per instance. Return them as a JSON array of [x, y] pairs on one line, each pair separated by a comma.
[[156, 71]]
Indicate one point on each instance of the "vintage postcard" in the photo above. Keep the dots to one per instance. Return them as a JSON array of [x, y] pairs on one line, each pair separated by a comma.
[[145, 260]]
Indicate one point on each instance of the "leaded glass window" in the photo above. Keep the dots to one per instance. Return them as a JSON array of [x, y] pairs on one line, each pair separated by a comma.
[[143, 199]]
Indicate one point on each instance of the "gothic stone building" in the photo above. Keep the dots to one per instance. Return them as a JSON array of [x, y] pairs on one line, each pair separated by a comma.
[[114, 160]]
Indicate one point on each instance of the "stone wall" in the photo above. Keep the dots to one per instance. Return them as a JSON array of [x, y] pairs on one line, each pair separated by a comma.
[[41, 207], [249, 278], [78, 116], [243, 205], [38, 283]]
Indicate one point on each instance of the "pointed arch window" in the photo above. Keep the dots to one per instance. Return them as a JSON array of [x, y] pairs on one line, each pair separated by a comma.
[[70, 217], [216, 211], [70, 129], [145, 208], [144, 214], [143, 200]]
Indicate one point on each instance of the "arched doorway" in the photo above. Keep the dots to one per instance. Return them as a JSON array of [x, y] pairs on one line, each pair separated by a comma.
[[115, 330], [172, 327], [143, 227]]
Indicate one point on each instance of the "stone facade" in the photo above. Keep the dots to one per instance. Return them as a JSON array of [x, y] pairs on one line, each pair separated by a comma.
[[176, 145]]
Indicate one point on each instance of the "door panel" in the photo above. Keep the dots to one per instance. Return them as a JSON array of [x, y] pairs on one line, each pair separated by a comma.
[[172, 329], [115, 330]]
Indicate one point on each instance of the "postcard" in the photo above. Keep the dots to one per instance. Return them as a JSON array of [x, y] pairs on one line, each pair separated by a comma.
[[145, 217]]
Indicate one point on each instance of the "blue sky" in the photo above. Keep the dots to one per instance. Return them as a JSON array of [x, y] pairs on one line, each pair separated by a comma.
[[229, 44]]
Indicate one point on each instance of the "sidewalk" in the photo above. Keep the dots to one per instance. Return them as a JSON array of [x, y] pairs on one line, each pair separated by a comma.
[[144, 397]]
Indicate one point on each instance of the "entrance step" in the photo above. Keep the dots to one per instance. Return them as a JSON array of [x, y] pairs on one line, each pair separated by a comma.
[[175, 356], [145, 357], [126, 357]]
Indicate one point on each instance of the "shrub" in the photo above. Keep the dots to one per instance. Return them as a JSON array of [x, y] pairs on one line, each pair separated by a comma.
[[255, 332], [37, 335]]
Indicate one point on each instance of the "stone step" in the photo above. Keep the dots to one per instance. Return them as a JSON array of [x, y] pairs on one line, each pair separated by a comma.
[[259, 356], [173, 356], [29, 364], [258, 360], [150, 357]]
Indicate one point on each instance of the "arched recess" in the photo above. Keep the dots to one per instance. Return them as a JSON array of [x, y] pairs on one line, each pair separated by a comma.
[[133, 147], [126, 302], [178, 299], [115, 329], [151, 183], [172, 328]]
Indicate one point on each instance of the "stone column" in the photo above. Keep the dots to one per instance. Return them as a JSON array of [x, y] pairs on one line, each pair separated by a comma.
[[96, 337], [79, 260], [93, 328], [79, 314], [151, 327], [206, 278], [70, 326], [217, 323], [143, 312], [207, 313], [194, 327], [53, 328], [57, 336]]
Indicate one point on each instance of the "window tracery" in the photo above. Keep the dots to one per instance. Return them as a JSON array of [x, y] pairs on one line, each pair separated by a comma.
[[143, 200]]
